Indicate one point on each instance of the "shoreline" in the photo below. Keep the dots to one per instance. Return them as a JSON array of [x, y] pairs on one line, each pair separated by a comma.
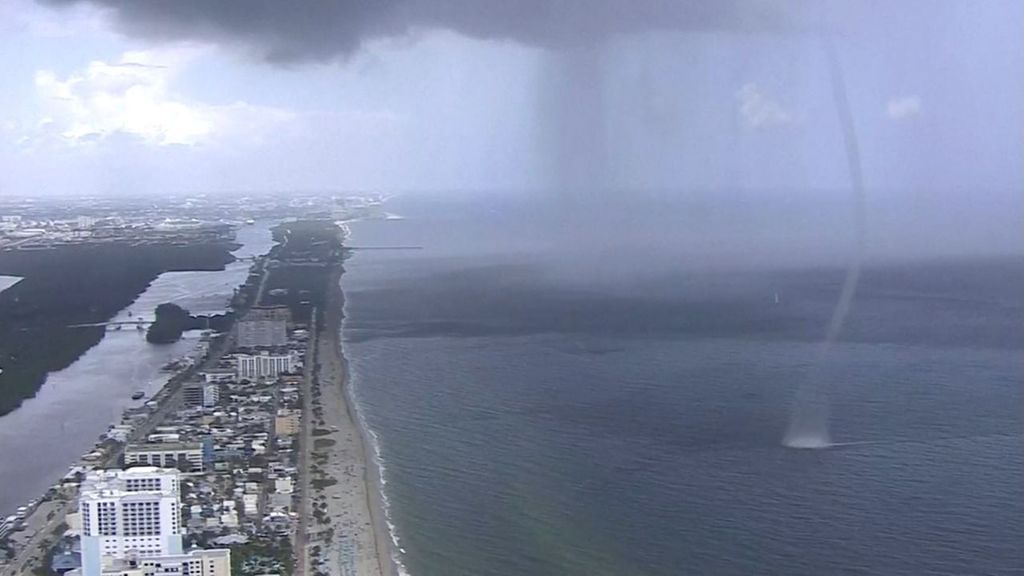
[[388, 547], [343, 463], [373, 474], [386, 554]]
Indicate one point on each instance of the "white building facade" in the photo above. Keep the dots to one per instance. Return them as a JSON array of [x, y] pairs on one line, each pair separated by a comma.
[[129, 512], [216, 562], [211, 395], [205, 395], [265, 365], [166, 455]]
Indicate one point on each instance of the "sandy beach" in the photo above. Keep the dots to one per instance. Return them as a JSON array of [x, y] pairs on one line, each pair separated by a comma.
[[347, 534]]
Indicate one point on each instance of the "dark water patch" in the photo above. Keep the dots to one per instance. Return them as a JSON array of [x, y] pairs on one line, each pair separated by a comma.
[[949, 304]]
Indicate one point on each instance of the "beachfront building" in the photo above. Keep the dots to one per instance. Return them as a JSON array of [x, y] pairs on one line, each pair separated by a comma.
[[264, 327], [287, 422], [265, 365], [132, 511], [185, 456], [131, 527], [216, 562], [284, 485]]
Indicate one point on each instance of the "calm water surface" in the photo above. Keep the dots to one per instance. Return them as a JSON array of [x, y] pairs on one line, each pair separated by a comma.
[[50, 431], [544, 415]]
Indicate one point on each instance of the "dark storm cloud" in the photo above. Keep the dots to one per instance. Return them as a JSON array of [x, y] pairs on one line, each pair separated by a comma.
[[325, 29]]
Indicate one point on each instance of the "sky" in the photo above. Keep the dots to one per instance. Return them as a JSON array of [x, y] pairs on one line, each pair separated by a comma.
[[125, 97]]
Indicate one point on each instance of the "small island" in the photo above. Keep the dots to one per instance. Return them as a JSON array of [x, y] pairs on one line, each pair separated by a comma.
[[173, 320], [54, 314]]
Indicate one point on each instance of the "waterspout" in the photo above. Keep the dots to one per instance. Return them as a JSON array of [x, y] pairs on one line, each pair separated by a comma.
[[809, 423]]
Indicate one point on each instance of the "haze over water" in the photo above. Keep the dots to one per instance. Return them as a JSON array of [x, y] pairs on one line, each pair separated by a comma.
[[616, 405]]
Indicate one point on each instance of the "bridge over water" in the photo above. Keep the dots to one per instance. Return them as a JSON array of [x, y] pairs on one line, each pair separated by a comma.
[[116, 324]]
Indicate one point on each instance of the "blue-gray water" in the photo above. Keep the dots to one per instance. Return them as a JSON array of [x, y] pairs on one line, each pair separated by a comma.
[[65, 418], [549, 409]]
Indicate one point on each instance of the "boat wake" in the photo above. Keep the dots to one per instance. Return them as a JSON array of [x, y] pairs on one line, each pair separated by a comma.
[[821, 444], [814, 443]]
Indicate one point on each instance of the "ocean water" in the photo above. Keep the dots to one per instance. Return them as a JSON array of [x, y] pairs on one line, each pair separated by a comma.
[[66, 417], [617, 405]]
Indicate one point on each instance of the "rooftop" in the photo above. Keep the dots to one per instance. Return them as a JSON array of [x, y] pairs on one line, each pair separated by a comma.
[[163, 447], [114, 483]]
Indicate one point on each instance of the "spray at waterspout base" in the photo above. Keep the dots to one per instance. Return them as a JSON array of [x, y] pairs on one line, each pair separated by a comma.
[[808, 428], [807, 442]]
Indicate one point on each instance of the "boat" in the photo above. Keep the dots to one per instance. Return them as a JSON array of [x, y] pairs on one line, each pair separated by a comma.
[[173, 365], [138, 395]]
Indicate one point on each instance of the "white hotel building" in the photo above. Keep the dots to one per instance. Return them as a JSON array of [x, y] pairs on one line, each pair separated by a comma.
[[265, 365], [131, 525], [123, 511]]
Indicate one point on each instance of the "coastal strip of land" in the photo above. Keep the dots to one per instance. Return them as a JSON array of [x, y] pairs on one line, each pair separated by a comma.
[[241, 494], [346, 533]]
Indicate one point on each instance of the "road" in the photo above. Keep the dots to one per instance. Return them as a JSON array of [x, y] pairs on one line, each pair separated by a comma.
[[301, 540], [264, 274], [46, 518]]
